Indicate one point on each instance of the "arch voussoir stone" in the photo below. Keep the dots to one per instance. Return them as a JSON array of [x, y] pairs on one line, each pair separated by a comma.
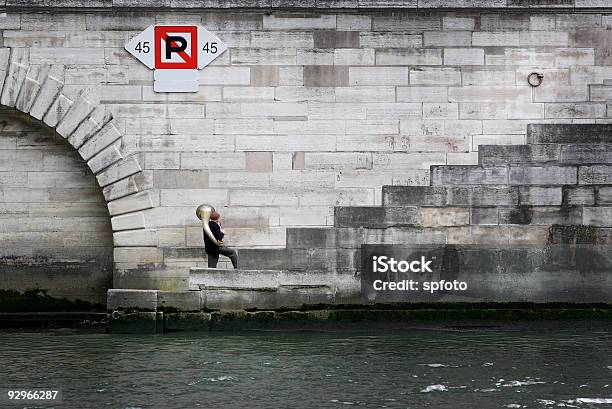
[[81, 108], [37, 90]]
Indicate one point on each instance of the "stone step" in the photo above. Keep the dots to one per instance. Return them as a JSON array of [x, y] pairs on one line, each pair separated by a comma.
[[543, 154], [569, 133], [453, 175], [239, 289], [503, 196], [472, 196], [376, 216]]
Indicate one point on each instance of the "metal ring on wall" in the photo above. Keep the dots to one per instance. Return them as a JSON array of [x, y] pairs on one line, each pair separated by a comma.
[[535, 79]]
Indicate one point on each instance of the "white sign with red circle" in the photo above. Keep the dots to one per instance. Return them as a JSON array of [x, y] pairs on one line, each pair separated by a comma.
[[175, 52]]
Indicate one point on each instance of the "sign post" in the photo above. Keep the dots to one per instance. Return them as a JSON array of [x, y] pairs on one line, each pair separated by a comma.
[[175, 53]]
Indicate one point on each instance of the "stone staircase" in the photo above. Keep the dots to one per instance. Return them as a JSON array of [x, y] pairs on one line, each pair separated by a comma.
[[545, 207]]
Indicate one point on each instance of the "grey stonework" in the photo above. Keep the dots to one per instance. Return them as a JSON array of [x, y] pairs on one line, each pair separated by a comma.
[[308, 112]]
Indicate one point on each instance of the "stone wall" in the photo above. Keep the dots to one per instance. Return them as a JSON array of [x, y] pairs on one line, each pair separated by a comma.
[[55, 233], [313, 109]]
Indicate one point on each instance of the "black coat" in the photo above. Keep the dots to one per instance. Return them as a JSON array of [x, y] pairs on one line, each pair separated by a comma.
[[210, 246]]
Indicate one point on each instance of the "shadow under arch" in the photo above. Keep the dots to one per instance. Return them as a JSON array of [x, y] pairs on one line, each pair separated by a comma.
[[38, 91]]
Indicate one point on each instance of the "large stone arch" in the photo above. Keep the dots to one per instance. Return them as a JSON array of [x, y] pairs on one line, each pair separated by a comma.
[[39, 91]]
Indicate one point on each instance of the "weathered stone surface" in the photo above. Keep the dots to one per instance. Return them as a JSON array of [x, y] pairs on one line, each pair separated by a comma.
[[375, 217], [566, 133], [468, 175], [550, 175], [48, 93], [517, 154]]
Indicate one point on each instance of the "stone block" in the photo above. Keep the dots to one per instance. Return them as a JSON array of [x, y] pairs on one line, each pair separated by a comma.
[[540, 215], [138, 255], [170, 301], [336, 39], [595, 174], [597, 216], [573, 196], [400, 56], [326, 76], [463, 56], [119, 170], [305, 94], [582, 154], [136, 238], [15, 75], [248, 93], [225, 76], [193, 197], [31, 86], [569, 133], [80, 110], [499, 93], [126, 21], [447, 216], [89, 127], [389, 40], [353, 56], [293, 76], [540, 196], [378, 76], [458, 23], [126, 300], [569, 57], [440, 110], [400, 20], [315, 56], [558, 93], [311, 237], [504, 22], [447, 39], [129, 221], [495, 39], [353, 22], [488, 77], [517, 154], [243, 126], [484, 215], [133, 184], [375, 217], [67, 55], [286, 39], [326, 110], [57, 110], [187, 321], [575, 110], [537, 175], [365, 94], [299, 22], [468, 175], [264, 56], [132, 203], [258, 161], [262, 76], [339, 160], [104, 159], [409, 160], [435, 76], [103, 138], [320, 127], [284, 143], [422, 94], [385, 111]]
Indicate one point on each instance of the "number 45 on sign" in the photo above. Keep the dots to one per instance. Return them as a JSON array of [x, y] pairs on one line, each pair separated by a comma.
[[175, 53]]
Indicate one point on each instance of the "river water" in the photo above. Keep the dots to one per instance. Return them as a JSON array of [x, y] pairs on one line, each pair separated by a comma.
[[559, 365]]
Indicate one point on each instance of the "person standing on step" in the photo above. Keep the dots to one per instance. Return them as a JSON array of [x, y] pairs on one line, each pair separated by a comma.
[[214, 249]]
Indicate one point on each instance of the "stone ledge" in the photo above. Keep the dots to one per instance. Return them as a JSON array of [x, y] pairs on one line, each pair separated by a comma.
[[118, 5]]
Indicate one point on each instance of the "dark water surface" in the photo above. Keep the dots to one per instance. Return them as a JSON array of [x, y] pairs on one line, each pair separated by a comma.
[[542, 367]]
